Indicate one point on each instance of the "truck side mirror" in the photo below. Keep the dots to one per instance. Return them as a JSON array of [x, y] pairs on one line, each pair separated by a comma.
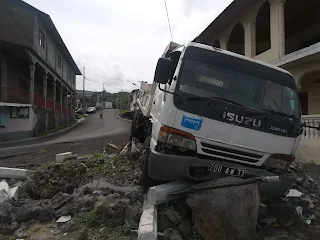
[[163, 70]]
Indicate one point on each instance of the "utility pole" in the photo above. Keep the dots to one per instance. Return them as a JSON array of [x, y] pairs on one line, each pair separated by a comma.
[[103, 86], [84, 79]]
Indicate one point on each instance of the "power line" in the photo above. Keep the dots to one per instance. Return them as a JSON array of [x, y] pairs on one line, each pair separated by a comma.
[[165, 4]]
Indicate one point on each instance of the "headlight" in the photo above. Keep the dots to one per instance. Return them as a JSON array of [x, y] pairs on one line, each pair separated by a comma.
[[279, 161], [177, 138]]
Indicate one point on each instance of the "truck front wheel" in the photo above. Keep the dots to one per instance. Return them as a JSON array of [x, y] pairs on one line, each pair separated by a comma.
[[134, 124], [144, 179]]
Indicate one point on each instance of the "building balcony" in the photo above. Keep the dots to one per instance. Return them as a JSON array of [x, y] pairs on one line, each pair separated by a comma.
[[18, 97], [14, 95], [313, 121]]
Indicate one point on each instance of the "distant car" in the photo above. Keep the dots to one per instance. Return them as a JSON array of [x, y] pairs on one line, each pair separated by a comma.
[[91, 110]]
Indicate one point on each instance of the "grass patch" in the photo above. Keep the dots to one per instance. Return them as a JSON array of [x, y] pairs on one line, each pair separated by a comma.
[[107, 164], [115, 168], [93, 220], [79, 116], [94, 224], [122, 111]]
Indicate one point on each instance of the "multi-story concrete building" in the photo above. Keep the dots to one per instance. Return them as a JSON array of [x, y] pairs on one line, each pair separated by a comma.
[[37, 73], [283, 33]]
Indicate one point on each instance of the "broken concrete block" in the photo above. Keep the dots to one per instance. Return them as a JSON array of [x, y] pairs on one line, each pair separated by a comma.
[[159, 194], [6, 192], [112, 146], [134, 148], [293, 193], [132, 215], [13, 193], [15, 173], [227, 213], [174, 216], [64, 219], [3, 195], [148, 227], [62, 156], [60, 199], [125, 150]]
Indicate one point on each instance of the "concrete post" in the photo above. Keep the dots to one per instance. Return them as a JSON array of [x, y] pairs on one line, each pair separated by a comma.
[[61, 99], [54, 84], [249, 37], [277, 26], [223, 42], [66, 103], [45, 85], [32, 73], [3, 76], [71, 104]]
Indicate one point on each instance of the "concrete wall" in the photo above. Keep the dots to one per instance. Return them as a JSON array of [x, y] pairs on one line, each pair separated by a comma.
[[248, 21], [308, 151], [16, 128], [9, 29], [44, 120]]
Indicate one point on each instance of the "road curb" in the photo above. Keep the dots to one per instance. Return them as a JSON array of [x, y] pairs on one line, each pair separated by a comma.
[[48, 135]]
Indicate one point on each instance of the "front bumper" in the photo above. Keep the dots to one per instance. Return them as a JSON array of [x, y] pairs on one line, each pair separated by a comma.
[[165, 167]]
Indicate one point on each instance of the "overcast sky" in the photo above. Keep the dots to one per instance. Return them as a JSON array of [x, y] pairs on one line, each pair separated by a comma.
[[119, 41]]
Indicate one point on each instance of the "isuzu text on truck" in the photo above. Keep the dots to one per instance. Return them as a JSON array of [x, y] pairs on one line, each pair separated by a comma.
[[211, 113]]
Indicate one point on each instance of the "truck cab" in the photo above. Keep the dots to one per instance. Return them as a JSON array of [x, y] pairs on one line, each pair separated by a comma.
[[211, 113]]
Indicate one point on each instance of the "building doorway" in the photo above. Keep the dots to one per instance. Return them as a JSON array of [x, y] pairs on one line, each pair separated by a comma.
[[304, 102]]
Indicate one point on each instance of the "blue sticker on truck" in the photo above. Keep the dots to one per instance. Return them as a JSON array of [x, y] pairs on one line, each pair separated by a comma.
[[193, 123]]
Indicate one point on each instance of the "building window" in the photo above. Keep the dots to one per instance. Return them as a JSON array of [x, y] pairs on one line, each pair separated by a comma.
[[42, 40], [59, 62], [19, 112]]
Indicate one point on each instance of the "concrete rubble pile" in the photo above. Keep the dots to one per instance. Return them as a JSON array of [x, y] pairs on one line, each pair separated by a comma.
[[61, 214], [298, 209], [235, 212], [65, 200], [133, 148]]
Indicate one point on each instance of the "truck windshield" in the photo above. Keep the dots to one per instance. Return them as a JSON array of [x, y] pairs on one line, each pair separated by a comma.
[[252, 91]]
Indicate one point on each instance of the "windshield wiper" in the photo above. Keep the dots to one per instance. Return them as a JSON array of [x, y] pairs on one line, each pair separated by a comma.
[[270, 110], [211, 99], [226, 100]]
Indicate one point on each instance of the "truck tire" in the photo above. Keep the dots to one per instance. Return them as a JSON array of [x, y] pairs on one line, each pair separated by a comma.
[[134, 124], [144, 180]]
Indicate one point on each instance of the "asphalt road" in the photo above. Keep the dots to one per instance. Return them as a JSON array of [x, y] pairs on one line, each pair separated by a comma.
[[90, 135]]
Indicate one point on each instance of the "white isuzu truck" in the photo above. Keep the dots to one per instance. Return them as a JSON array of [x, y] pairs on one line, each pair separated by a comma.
[[211, 112]]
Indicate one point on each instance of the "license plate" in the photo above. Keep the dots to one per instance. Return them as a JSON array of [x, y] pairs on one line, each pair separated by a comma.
[[240, 172]]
